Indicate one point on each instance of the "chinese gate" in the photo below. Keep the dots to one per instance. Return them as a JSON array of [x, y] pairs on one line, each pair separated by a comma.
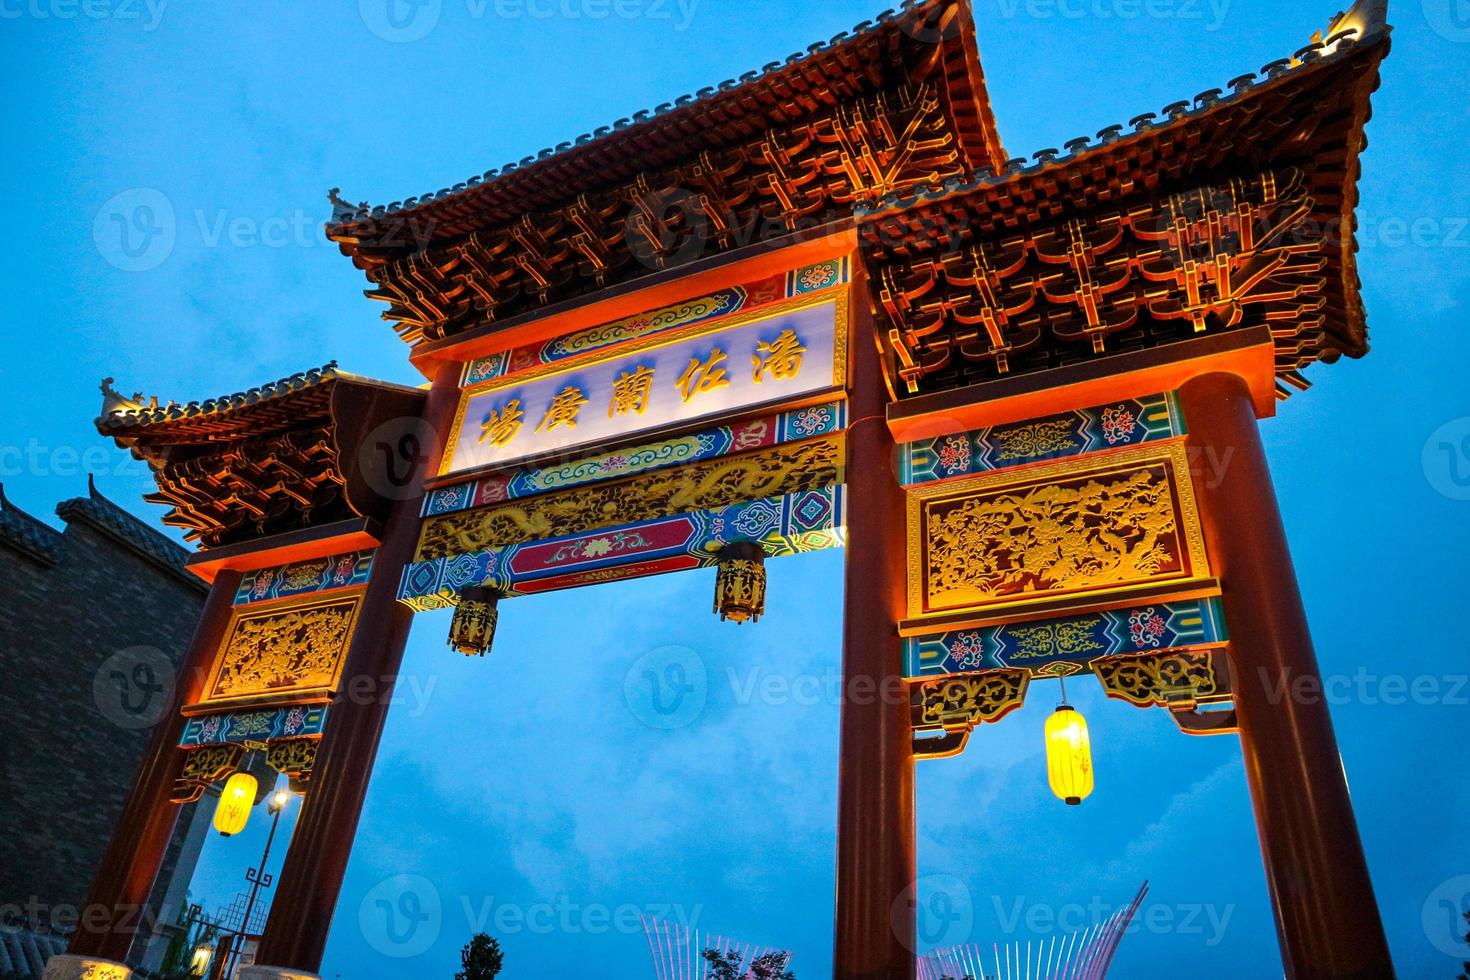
[[815, 307]]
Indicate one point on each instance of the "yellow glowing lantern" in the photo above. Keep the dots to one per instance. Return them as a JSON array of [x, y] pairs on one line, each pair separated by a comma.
[[1069, 755], [235, 804]]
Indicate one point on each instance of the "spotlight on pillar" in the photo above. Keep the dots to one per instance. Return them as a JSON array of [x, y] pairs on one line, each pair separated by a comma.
[[235, 803], [1069, 755], [473, 629], [199, 963], [740, 586], [279, 799]]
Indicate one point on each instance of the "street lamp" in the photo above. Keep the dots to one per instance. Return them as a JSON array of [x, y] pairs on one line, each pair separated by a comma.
[[199, 964], [257, 876]]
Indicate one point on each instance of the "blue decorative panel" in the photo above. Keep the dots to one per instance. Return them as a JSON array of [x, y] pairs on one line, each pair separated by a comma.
[[1064, 646]]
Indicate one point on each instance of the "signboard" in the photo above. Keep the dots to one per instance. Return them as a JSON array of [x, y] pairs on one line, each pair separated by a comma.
[[786, 353]]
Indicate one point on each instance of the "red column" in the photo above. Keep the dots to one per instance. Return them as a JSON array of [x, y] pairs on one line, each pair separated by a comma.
[[112, 916], [311, 877], [1326, 915], [876, 866]]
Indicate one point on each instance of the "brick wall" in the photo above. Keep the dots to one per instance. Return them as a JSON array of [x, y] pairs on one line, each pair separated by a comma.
[[69, 601]]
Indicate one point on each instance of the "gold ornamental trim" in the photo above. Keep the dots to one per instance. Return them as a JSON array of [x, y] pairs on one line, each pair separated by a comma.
[[964, 701], [1097, 529], [1171, 678], [789, 468]]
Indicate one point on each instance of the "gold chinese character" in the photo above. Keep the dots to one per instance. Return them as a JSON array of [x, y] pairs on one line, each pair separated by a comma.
[[631, 392], [703, 375], [564, 409], [502, 426], [782, 357]]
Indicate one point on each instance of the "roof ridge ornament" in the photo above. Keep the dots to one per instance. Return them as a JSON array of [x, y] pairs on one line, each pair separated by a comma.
[[115, 403]]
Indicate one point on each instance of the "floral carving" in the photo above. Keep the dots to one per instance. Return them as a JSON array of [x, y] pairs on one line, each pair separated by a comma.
[[284, 651], [1104, 530]]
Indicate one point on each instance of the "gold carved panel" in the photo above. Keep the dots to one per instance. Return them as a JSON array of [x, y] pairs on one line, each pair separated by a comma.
[[965, 702], [790, 468], [1090, 528], [284, 652]]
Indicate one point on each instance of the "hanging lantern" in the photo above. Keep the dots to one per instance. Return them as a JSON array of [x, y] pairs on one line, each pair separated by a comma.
[[473, 629], [1069, 755], [235, 803], [740, 586], [199, 963]]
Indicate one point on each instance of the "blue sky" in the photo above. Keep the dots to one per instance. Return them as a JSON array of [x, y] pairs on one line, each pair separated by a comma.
[[528, 790]]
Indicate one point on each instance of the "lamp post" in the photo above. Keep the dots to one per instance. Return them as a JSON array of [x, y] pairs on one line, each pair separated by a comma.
[[258, 878]]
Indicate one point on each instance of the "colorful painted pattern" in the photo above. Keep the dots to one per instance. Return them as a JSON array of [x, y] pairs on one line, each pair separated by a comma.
[[254, 726], [750, 296], [305, 577], [795, 523], [1053, 647], [773, 430], [1114, 426]]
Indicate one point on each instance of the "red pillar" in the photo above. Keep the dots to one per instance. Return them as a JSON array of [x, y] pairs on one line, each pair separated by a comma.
[[876, 865], [113, 914], [1326, 915], [311, 877]]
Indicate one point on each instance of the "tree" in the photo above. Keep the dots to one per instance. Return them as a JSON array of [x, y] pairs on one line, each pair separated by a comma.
[[481, 958], [769, 966]]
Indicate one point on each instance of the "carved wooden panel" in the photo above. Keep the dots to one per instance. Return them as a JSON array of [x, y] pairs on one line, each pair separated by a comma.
[[291, 652], [1092, 527]]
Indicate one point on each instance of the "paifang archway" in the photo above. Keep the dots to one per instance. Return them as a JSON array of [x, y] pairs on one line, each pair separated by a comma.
[[816, 306]]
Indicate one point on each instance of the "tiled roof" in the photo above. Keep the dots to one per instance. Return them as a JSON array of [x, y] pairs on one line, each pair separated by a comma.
[[121, 414], [31, 536], [107, 517], [975, 273], [848, 65], [1338, 43]]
